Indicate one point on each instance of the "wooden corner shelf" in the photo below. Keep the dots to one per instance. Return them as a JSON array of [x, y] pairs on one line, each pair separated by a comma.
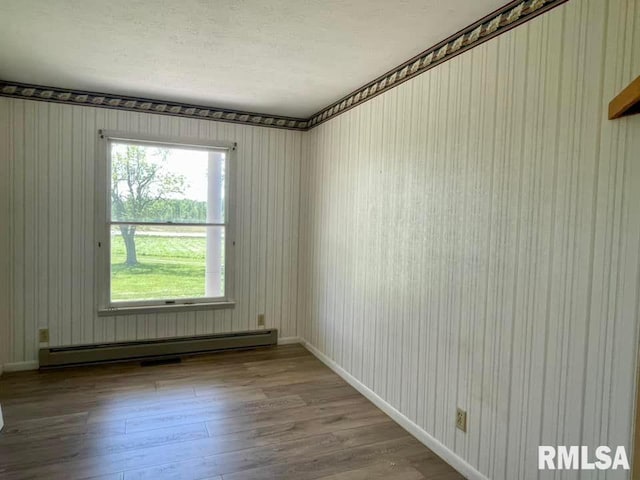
[[627, 102]]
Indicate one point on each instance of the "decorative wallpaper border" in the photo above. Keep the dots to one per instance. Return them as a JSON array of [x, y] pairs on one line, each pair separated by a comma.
[[500, 21], [120, 102], [511, 15]]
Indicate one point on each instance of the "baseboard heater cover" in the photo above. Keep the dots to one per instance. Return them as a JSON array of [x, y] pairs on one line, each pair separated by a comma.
[[113, 352]]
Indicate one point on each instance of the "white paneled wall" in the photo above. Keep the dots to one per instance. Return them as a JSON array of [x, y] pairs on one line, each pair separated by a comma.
[[5, 245], [47, 165], [472, 237]]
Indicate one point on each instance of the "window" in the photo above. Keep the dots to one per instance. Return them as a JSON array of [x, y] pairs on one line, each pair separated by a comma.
[[164, 236]]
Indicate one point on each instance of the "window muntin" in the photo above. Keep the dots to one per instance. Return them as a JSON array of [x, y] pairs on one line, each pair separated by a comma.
[[168, 203]]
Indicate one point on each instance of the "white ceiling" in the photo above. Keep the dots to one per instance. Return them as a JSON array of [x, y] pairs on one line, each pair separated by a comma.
[[284, 57]]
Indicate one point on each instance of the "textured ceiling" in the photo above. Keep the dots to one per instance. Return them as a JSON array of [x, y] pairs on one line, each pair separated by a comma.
[[284, 57]]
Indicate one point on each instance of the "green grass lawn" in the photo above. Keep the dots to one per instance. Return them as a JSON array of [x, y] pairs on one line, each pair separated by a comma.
[[168, 267]]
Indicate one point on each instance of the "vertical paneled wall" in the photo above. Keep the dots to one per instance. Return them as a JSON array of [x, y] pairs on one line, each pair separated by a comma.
[[471, 238], [5, 245], [47, 165]]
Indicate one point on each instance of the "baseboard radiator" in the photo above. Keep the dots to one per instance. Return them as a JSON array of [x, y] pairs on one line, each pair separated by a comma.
[[114, 352]]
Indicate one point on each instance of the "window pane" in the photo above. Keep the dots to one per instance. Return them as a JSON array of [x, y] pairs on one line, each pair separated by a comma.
[[166, 185], [166, 263]]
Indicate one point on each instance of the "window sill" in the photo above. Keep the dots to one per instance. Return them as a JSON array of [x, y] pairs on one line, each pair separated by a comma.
[[111, 312]]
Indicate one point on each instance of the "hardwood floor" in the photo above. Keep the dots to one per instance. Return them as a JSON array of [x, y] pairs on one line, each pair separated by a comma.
[[275, 413]]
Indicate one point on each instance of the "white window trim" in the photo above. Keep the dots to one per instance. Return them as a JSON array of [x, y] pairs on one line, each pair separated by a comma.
[[102, 228]]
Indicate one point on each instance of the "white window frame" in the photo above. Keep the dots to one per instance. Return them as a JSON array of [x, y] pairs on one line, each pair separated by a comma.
[[103, 226]]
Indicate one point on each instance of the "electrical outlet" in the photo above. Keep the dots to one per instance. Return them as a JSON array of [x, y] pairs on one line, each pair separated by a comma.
[[261, 320], [461, 420], [43, 335]]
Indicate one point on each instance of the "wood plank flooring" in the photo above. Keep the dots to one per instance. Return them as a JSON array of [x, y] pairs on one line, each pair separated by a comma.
[[271, 413]]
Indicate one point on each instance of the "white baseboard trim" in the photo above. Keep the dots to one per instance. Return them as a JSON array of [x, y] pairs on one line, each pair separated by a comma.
[[289, 340], [428, 440], [20, 366]]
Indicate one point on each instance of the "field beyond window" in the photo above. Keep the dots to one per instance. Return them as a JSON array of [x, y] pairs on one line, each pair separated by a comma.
[[167, 224]]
